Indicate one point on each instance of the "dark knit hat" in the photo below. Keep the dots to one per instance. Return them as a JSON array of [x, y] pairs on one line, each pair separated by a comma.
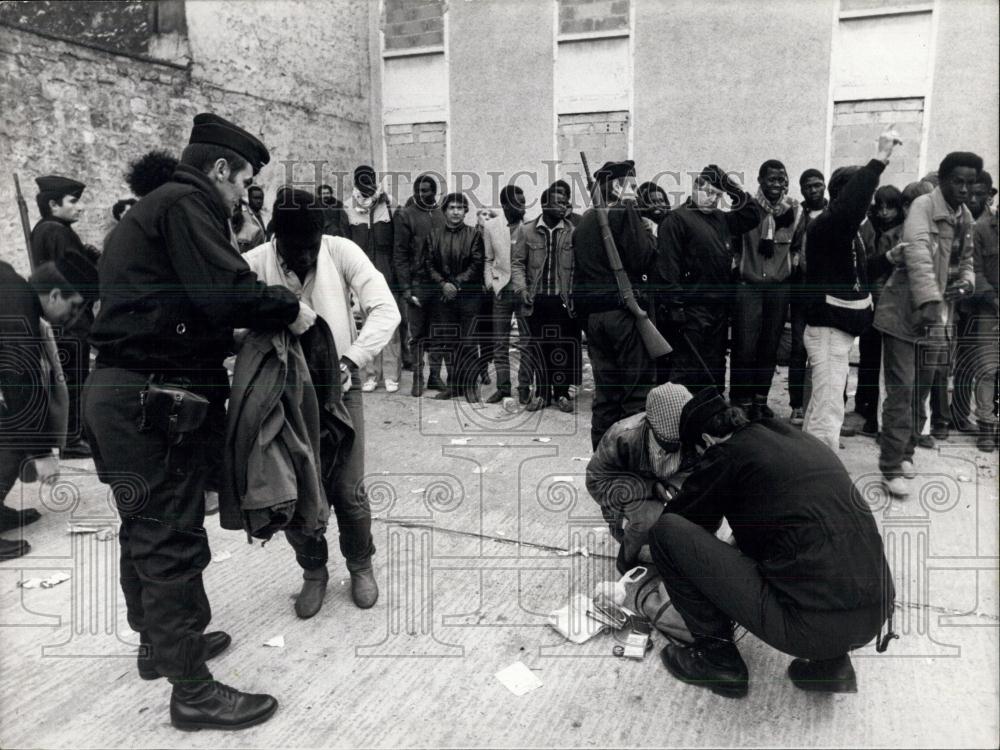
[[809, 173], [210, 128], [297, 213], [53, 187], [664, 405], [80, 273], [698, 412]]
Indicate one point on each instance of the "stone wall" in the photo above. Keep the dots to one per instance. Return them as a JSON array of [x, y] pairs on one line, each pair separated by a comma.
[[78, 111], [856, 126]]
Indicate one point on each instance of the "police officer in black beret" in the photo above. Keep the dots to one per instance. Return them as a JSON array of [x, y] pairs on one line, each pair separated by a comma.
[[624, 373], [173, 288], [52, 238]]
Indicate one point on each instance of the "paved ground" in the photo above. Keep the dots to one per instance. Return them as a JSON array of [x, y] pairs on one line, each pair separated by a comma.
[[472, 556]]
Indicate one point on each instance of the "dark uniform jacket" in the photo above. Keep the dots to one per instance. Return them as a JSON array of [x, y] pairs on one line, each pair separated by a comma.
[[695, 251], [795, 510], [32, 410], [412, 226], [173, 288], [594, 287], [52, 238]]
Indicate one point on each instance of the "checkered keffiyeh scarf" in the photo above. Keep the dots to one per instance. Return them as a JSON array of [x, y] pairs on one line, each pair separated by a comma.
[[785, 203], [663, 410]]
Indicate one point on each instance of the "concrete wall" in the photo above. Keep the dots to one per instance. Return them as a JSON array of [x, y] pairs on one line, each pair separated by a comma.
[[855, 129], [965, 101], [730, 83], [82, 112], [502, 92]]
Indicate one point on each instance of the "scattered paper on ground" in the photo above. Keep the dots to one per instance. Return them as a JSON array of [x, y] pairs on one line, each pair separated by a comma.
[[572, 623], [460, 441], [221, 556], [418, 491], [479, 470], [542, 440], [277, 642], [575, 551], [44, 583], [518, 679], [580, 458], [562, 478]]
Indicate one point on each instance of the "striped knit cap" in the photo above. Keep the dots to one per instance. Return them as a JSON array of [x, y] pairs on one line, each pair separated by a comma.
[[663, 410]]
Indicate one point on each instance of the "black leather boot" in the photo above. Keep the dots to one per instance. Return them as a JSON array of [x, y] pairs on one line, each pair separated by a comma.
[[12, 518], [708, 662], [211, 705], [215, 643], [364, 588], [418, 384], [313, 591], [11, 548], [824, 675]]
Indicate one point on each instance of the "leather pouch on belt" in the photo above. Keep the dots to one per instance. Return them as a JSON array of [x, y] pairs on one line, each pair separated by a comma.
[[174, 410]]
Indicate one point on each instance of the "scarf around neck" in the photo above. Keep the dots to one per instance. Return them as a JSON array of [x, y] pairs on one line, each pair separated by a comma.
[[783, 204], [362, 207]]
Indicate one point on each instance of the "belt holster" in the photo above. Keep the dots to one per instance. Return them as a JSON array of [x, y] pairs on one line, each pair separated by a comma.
[[172, 409]]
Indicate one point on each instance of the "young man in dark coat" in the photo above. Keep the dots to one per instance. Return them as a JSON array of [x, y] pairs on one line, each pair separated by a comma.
[[173, 289], [808, 574], [623, 369], [412, 225], [59, 204], [33, 399], [695, 262], [454, 258], [839, 306]]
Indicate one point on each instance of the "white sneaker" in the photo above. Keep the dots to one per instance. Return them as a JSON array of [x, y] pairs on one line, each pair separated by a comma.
[[897, 487], [907, 469], [391, 385], [369, 385]]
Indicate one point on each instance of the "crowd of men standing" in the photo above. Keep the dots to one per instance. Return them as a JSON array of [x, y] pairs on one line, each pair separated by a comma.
[[913, 273]]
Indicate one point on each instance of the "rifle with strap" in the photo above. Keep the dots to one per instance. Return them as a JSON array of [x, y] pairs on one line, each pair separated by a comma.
[[656, 346], [22, 209]]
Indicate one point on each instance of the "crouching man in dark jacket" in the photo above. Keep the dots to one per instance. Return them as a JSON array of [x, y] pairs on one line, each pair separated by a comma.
[[808, 574]]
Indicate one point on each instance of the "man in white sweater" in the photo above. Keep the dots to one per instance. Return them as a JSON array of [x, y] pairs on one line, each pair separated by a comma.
[[323, 271]]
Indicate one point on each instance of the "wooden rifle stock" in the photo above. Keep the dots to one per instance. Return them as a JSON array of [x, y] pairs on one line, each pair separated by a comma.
[[22, 209], [656, 345]]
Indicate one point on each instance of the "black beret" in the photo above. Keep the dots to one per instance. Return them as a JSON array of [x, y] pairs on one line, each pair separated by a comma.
[[210, 128], [55, 187], [80, 273], [697, 413], [613, 170]]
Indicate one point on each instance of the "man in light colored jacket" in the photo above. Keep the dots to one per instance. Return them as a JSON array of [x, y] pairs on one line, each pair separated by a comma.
[[916, 308], [499, 233], [323, 271]]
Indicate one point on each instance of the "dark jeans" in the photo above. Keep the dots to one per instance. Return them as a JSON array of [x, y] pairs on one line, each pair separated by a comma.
[[74, 355], [623, 371], [346, 493], [453, 324], [869, 368], [504, 307], [10, 469], [758, 320], [713, 585], [706, 327], [159, 492], [553, 341], [912, 370], [419, 325], [797, 358]]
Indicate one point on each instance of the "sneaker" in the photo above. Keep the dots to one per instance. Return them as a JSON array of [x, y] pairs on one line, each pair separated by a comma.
[[907, 469], [369, 385], [798, 417], [897, 486], [391, 386], [536, 404], [565, 405]]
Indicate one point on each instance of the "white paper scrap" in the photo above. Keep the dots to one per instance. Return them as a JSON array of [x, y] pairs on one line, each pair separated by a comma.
[[44, 583], [542, 440], [418, 491], [221, 556], [562, 478], [572, 623], [518, 679], [277, 642]]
